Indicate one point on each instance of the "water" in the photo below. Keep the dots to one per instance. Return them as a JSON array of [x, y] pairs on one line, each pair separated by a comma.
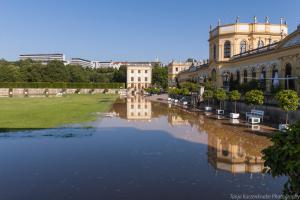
[[148, 151]]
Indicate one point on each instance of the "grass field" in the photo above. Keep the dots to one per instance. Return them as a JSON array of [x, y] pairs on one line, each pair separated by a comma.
[[31, 113]]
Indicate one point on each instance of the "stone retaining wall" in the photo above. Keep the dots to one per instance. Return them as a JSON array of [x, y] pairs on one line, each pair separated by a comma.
[[31, 92], [4, 92]]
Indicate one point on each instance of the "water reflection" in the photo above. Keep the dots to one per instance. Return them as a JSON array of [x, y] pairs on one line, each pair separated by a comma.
[[167, 153], [234, 156], [231, 146], [138, 108]]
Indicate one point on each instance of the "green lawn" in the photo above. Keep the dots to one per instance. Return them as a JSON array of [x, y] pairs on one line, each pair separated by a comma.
[[31, 113]]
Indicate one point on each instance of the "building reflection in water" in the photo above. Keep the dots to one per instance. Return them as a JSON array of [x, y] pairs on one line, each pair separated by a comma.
[[232, 156], [231, 147], [176, 120], [139, 108]]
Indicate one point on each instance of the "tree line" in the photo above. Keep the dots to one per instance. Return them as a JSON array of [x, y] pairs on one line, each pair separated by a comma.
[[56, 71]]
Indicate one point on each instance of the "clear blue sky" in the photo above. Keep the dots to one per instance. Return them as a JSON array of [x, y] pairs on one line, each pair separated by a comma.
[[126, 29]]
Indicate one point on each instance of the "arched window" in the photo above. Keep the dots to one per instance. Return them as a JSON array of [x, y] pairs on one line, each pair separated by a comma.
[[289, 83], [260, 44], [275, 77], [245, 76], [227, 49], [238, 77], [263, 78], [213, 75], [215, 52], [225, 79], [243, 46], [253, 73]]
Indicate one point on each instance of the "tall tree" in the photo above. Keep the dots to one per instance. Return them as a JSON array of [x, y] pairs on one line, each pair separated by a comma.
[[55, 71], [9, 73], [77, 73], [160, 76], [121, 74]]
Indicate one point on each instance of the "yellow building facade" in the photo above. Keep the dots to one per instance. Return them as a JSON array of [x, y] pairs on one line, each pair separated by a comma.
[[139, 77], [174, 68], [242, 52]]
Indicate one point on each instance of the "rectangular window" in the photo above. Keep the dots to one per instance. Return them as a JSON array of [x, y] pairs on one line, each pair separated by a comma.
[[146, 78], [176, 69], [132, 78], [146, 71], [139, 79], [132, 71], [132, 106], [139, 71]]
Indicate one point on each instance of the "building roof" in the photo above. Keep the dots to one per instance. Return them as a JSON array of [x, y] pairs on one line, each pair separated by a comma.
[[74, 59], [43, 54]]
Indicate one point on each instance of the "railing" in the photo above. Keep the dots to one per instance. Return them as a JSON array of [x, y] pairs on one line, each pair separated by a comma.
[[256, 51]]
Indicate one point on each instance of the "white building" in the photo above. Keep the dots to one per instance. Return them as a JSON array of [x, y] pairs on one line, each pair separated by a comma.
[[101, 64], [44, 58], [118, 64], [81, 62], [139, 76]]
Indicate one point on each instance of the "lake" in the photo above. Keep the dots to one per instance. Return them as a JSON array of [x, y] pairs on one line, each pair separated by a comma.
[[141, 150]]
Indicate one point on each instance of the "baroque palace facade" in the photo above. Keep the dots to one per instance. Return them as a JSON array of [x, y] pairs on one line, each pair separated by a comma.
[[242, 52]]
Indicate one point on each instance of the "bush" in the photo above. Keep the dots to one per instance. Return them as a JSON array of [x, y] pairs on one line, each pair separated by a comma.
[[209, 86], [246, 87], [283, 158], [254, 97], [152, 90], [190, 86], [234, 96], [208, 95], [288, 100], [220, 94]]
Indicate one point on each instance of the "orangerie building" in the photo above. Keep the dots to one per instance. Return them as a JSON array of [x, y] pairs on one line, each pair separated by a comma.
[[242, 52]]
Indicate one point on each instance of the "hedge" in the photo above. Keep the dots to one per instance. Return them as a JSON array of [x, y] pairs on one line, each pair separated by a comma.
[[61, 85]]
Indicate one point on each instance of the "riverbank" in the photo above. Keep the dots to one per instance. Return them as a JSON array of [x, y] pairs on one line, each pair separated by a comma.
[[36, 113]]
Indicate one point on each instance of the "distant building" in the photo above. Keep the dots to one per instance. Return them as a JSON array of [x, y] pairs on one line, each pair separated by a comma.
[[139, 76], [81, 62], [118, 64], [44, 58], [173, 70], [100, 64]]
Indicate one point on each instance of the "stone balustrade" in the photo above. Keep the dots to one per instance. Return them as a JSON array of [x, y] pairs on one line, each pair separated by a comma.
[[35, 92]]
